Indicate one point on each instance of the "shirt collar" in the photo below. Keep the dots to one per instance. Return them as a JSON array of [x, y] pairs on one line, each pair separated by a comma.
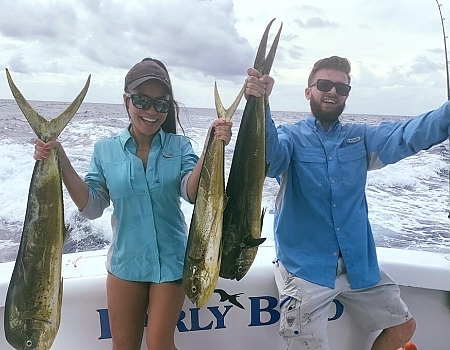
[[127, 139], [315, 124]]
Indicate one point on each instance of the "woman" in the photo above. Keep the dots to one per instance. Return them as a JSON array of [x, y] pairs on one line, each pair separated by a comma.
[[143, 171]]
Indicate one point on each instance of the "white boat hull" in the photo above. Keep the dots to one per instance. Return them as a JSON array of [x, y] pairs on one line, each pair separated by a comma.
[[424, 279]]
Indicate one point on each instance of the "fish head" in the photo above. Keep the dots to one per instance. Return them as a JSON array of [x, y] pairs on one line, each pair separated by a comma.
[[193, 283], [34, 335], [242, 267]]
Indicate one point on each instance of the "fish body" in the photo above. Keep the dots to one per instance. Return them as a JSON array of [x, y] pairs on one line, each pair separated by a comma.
[[34, 296], [204, 247], [243, 217]]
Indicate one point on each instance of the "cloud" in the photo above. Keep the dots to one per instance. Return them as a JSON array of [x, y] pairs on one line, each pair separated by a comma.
[[17, 64], [316, 22], [197, 35], [436, 50], [296, 52], [422, 65], [35, 21], [52, 45]]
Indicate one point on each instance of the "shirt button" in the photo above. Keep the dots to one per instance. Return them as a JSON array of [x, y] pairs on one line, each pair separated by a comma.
[[338, 229], [333, 181], [334, 205], [150, 168], [335, 254], [330, 158]]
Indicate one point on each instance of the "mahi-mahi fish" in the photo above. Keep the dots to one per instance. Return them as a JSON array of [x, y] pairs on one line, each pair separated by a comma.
[[243, 218], [33, 301], [203, 252]]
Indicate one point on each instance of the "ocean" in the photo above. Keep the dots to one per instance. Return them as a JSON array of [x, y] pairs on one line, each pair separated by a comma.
[[408, 201]]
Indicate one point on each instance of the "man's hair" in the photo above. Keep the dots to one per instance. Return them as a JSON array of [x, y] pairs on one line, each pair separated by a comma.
[[336, 63]]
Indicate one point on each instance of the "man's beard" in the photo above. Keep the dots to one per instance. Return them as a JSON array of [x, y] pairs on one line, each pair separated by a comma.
[[328, 116]]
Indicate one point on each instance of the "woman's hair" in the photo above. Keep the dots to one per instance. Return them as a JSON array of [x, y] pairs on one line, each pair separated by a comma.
[[336, 63], [172, 119]]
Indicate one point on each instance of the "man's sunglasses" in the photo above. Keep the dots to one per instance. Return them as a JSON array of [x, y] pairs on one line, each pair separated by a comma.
[[326, 85], [144, 102]]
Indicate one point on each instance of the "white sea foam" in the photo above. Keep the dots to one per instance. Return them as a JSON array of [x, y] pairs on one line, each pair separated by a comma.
[[408, 201]]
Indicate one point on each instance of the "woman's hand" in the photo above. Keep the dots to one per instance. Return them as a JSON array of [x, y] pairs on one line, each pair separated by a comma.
[[42, 149], [222, 130]]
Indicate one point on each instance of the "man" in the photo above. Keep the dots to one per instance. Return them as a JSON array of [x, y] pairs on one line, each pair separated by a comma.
[[324, 243]]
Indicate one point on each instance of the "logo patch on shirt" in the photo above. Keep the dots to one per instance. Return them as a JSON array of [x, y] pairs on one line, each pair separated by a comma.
[[353, 140]]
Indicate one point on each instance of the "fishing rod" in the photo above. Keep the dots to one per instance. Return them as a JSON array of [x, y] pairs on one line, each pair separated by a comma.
[[446, 66], [445, 49]]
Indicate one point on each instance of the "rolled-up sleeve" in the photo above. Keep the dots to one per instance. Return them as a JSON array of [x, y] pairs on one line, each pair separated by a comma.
[[99, 198]]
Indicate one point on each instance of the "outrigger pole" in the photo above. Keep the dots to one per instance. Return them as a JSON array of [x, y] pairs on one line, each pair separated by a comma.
[[446, 67]]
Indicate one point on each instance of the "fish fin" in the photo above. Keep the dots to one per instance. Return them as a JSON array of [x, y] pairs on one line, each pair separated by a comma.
[[261, 53], [194, 260], [66, 232], [262, 63], [263, 212], [227, 114], [252, 242], [58, 124], [271, 55], [44, 129], [36, 121]]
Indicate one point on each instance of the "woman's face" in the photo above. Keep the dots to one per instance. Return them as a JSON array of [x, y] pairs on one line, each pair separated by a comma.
[[146, 122]]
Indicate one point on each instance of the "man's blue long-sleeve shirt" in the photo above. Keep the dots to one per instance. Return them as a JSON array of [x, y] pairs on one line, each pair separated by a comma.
[[321, 208]]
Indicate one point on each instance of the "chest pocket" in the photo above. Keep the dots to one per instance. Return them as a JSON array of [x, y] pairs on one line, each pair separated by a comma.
[[310, 167], [118, 178], [168, 169], [352, 163], [310, 155], [351, 153]]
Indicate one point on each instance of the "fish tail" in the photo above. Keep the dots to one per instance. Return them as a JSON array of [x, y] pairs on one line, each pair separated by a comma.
[[44, 129]]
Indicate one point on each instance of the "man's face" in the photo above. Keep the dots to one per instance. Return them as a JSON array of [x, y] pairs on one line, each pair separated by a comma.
[[327, 106]]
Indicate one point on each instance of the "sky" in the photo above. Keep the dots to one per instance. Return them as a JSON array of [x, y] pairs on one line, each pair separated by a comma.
[[396, 48]]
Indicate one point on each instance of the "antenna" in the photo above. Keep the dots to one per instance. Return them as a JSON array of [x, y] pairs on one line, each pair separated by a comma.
[[445, 49]]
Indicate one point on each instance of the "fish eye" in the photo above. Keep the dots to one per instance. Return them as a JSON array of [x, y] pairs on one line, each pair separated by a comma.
[[194, 289], [29, 343]]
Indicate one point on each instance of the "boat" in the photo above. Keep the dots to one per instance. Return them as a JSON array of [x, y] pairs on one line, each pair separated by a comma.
[[244, 314]]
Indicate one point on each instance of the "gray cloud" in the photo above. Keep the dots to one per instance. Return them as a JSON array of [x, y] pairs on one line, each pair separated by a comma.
[[316, 22], [35, 21], [296, 52], [17, 64], [198, 35], [308, 8], [437, 50], [423, 65]]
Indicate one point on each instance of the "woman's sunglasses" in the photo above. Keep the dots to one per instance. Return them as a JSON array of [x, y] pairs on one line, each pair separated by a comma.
[[326, 85], [144, 102]]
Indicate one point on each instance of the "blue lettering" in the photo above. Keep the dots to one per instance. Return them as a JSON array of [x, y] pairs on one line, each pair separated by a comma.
[[220, 317], [195, 321], [339, 310], [180, 324], [105, 331], [271, 316], [256, 310]]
